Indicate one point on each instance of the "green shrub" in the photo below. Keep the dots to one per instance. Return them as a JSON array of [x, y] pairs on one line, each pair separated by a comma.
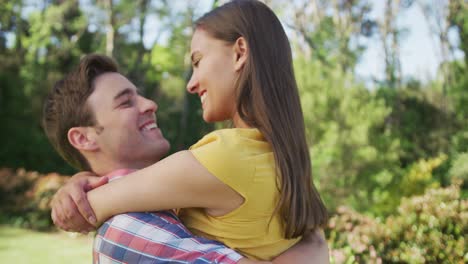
[[351, 238], [459, 168], [414, 180], [14, 186], [25, 197], [430, 228], [419, 176]]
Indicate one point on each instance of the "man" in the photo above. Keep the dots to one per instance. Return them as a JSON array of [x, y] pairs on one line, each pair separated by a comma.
[[97, 121]]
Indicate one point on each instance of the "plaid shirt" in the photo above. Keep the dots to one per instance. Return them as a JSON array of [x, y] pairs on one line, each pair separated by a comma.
[[157, 237]]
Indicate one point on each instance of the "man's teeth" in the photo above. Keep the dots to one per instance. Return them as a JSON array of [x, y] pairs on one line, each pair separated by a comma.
[[150, 126], [202, 98]]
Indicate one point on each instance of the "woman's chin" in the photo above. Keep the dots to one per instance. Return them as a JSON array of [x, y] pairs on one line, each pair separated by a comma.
[[213, 118], [208, 118]]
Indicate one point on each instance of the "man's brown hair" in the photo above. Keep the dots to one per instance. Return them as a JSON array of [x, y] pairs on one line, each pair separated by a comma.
[[66, 107]]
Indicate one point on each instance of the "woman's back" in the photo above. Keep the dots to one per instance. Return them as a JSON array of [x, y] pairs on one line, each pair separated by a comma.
[[243, 160]]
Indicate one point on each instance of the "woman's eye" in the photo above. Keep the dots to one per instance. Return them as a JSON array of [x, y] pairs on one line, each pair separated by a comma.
[[195, 64]]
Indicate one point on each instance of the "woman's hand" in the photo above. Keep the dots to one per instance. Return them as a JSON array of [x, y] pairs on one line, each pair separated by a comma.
[[70, 207]]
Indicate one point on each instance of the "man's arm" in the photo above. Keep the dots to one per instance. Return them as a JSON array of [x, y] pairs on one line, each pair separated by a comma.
[[312, 248]]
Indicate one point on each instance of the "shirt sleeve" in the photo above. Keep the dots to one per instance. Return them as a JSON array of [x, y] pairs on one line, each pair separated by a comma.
[[222, 155], [156, 237]]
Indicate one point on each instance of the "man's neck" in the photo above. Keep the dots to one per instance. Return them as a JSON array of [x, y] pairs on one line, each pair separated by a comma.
[[103, 168]]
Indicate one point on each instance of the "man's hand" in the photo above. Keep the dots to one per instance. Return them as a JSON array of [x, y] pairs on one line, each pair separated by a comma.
[[70, 207], [312, 248]]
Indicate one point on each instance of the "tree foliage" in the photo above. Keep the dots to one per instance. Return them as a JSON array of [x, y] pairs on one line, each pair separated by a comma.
[[371, 144]]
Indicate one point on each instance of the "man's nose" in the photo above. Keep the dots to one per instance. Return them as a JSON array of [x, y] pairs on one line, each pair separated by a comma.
[[148, 105]]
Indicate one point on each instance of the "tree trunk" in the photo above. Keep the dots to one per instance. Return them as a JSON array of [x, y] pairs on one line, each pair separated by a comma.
[[186, 111], [139, 65], [437, 17], [110, 27], [389, 37]]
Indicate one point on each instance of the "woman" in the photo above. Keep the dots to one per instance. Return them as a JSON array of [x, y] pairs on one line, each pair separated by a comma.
[[250, 186]]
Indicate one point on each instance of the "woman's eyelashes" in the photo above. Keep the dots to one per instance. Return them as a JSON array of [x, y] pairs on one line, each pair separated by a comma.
[[196, 60]]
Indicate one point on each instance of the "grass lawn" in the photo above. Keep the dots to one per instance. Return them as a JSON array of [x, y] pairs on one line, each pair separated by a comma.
[[26, 246]]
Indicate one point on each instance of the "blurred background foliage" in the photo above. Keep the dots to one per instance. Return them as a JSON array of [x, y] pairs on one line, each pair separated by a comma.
[[389, 156]]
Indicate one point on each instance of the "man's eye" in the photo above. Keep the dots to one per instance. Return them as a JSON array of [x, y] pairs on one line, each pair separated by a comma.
[[195, 63], [126, 103]]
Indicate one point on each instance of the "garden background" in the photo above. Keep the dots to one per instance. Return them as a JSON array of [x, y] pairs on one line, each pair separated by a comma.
[[389, 144]]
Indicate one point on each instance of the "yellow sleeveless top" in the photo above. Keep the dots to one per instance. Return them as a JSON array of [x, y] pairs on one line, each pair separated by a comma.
[[242, 159]]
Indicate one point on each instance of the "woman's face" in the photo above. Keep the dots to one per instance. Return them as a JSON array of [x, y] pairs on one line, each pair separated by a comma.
[[215, 70]]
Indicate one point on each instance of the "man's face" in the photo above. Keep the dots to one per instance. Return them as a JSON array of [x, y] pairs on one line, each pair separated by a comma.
[[126, 130]]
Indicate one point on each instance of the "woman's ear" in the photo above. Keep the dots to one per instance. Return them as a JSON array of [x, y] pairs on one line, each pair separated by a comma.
[[241, 51], [81, 139]]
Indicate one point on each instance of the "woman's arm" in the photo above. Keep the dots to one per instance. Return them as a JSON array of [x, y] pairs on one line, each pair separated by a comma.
[[178, 181], [72, 196]]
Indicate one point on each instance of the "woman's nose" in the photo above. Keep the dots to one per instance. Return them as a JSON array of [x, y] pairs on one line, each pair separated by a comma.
[[192, 85]]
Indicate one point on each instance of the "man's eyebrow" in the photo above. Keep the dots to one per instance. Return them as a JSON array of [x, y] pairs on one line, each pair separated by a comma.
[[126, 91]]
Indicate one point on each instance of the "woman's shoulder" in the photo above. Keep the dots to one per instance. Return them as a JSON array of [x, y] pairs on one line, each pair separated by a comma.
[[225, 155], [231, 138]]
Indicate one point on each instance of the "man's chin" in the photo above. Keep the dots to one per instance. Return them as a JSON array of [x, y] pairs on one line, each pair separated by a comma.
[[160, 150]]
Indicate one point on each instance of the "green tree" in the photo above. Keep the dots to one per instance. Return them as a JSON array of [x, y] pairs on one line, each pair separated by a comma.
[[55, 37], [330, 30], [354, 158]]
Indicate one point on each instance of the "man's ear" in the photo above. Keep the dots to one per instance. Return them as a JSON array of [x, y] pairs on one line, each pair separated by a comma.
[[241, 52], [82, 138]]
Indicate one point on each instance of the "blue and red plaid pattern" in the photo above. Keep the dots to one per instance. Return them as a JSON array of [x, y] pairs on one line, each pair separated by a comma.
[[156, 237]]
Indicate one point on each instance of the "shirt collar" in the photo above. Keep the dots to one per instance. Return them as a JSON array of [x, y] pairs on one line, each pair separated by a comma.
[[119, 173]]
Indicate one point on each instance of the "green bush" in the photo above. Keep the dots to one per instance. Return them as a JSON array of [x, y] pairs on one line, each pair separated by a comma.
[[419, 177], [14, 186], [430, 228], [414, 180], [25, 197], [459, 168]]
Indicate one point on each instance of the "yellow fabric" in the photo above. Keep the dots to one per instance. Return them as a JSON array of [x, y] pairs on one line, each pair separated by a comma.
[[242, 159]]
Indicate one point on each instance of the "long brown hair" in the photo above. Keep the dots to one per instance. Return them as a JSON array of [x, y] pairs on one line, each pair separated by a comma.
[[268, 100]]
